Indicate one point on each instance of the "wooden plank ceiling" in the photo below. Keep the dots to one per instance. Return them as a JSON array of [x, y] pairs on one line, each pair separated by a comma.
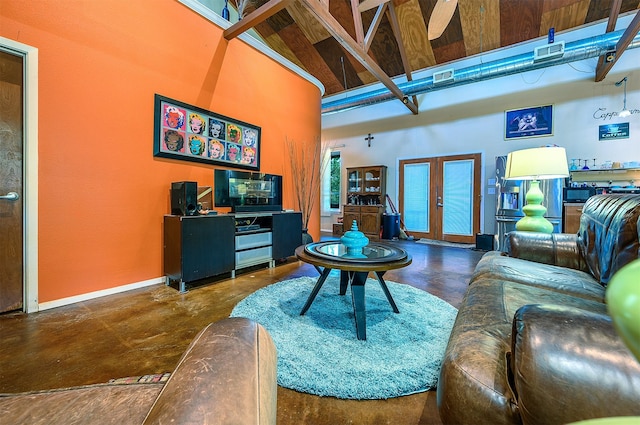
[[477, 26]]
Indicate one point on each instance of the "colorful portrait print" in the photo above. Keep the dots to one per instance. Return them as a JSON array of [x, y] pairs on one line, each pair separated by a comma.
[[233, 153], [189, 133], [234, 133], [217, 129], [250, 137], [216, 149], [197, 124], [196, 145], [248, 155], [174, 117], [173, 141]]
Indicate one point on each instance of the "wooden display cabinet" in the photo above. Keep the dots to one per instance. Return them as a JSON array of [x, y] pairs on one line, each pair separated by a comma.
[[366, 199], [367, 185]]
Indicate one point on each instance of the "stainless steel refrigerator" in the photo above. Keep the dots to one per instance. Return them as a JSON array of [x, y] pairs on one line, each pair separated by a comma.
[[510, 198]]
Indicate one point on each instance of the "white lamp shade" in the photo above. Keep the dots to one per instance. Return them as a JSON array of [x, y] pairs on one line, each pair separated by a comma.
[[537, 164]]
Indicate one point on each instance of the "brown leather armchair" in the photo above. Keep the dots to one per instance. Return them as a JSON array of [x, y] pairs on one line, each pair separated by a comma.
[[226, 376], [532, 342]]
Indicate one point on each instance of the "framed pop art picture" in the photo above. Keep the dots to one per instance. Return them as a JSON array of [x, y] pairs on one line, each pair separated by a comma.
[[529, 122], [189, 133]]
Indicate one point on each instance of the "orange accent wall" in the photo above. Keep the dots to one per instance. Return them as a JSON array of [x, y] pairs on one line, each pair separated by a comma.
[[102, 193]]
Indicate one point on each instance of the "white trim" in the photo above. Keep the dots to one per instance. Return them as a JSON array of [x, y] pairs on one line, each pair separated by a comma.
[[209, 14], [103, 293], [30, 171]]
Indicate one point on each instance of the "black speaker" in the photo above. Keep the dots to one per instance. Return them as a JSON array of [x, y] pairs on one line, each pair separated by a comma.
[[184, 198]]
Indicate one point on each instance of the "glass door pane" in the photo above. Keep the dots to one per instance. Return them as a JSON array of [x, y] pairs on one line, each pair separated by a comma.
[[457, 214], [354, 181], [416, 196]]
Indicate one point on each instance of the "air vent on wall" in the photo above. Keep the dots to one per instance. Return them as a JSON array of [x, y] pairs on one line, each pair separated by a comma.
[[548, 51], [442, 76]]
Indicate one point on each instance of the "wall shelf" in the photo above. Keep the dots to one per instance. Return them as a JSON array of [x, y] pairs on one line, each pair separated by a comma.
[[614, 175]]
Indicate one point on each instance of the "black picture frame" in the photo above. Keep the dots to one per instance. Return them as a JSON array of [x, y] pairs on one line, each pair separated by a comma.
[[536, 121], [186, 132]]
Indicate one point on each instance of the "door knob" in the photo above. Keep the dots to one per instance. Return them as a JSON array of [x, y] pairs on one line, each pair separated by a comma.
[[11, 196]]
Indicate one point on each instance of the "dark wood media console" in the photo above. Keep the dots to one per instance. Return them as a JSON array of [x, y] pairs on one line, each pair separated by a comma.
[[201, 247]]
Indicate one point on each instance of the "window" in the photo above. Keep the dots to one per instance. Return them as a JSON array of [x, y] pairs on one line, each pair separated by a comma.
[[334, 167]]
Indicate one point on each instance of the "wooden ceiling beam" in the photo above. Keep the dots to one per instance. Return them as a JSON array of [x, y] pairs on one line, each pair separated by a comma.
[[368, 39], [370, 4], [395, 27], [613, 15], [611, 25], [356, 50], [626, 39], [357, 22], [259, 15]]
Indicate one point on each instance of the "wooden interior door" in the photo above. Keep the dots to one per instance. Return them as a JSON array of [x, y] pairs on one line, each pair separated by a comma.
[[11, 182], [440, 197]]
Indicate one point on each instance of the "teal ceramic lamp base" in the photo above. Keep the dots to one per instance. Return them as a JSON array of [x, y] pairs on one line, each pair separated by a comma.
[[534, 211]]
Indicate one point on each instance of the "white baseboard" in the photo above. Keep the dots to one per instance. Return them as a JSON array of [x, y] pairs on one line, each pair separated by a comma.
[[97, 294]]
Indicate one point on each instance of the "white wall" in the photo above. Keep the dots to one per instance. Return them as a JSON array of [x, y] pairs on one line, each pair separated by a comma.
[[470, 118]]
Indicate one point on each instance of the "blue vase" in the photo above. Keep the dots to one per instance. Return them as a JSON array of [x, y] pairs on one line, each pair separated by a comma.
[[354, 240]]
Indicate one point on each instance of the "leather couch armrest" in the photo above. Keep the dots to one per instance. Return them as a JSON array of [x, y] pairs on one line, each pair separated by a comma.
[[226, 376], [569, 364], [558, 249]]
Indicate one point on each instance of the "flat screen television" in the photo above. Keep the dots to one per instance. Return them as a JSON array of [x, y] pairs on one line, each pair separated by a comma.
[[246, 192]]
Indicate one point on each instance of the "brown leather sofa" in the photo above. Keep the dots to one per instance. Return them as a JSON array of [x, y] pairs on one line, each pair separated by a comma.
[[226, 376], [532, 342]]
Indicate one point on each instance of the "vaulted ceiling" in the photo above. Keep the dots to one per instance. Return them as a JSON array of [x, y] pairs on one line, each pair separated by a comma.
[[347, 44]]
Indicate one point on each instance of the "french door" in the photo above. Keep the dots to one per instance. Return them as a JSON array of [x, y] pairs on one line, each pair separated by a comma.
[[439, 197]]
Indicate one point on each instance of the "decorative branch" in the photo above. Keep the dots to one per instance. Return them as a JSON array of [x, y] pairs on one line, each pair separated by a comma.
[[308, 163], [242, 7]]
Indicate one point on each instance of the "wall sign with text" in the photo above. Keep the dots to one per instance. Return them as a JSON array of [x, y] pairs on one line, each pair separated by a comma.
[[614, 131], [189, 133]]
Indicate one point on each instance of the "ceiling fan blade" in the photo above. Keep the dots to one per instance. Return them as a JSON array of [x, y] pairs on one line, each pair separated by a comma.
[[440, 17]]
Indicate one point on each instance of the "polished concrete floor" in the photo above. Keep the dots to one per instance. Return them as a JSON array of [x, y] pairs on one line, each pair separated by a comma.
[[145, 331]]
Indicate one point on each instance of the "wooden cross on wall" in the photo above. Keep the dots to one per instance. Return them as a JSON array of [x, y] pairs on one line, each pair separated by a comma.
[[369, 138]]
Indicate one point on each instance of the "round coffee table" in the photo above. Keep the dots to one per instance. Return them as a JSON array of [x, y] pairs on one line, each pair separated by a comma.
[[376, 257]]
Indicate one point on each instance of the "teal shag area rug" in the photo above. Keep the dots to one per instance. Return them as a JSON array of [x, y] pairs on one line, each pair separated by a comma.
[[318, 353]]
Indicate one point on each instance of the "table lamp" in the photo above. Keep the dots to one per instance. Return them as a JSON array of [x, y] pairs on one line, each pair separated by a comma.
[[536, 164]]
